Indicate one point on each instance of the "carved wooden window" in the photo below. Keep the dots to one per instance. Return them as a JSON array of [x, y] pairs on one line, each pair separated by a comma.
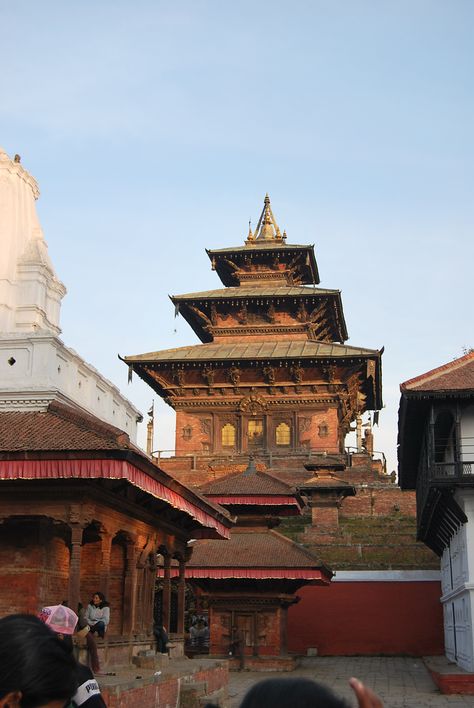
[[187, 432], [228, 435], [255, 432], [283, 434], [323, 430], [445, 437]]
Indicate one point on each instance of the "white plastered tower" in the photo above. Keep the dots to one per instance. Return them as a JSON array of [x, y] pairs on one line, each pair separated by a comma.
[[35, 366], [30, 292]]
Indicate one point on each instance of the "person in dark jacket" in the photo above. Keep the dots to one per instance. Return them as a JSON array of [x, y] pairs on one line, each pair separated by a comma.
[[161, 637]]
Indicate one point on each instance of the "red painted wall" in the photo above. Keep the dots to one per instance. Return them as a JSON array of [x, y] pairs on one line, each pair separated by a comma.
[[368, 618]]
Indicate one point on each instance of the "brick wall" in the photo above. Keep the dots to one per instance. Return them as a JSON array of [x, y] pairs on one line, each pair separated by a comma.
[[164, 691], [34, 569]]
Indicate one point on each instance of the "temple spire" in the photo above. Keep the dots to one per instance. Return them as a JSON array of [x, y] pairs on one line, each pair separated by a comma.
[[267, 228]]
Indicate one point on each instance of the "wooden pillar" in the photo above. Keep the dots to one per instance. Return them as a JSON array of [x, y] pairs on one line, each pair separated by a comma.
[[458, 451], [130, 590], [181, 596], [166, 605], [283, 628], [105, 550], [150, 612], [74, 587], [147, 596]]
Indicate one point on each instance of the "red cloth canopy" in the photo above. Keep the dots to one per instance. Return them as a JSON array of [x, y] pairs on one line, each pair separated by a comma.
[[107, 469]]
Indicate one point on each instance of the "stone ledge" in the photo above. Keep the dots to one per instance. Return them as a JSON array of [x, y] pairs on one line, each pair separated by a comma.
[[449, 677]]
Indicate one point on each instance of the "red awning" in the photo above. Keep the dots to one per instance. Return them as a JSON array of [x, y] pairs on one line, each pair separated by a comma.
[[107, 469], [252, 573]]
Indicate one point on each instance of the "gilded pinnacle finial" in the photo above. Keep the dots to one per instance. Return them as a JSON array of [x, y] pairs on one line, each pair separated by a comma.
[[267, 228]]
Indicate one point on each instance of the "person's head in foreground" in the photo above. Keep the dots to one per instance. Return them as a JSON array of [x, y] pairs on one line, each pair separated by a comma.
[[304, 693], [294, 692], [36, 670]]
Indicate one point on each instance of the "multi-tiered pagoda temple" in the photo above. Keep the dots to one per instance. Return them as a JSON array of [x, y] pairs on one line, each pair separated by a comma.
[[273, 373], [274, 378]]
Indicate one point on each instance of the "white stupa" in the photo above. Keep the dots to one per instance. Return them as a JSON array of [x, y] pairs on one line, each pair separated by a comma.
[[35, 366]]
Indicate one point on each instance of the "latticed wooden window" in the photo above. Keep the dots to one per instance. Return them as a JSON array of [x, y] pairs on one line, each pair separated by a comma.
[[228, 435], [283, 434], [255, 430]]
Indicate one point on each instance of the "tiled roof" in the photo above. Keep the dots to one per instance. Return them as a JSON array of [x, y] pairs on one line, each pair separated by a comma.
[[58, 428], [63, 429], [306, 349], [252, 549], [247, 291], [457, 375], [262, 246], [258, 483]]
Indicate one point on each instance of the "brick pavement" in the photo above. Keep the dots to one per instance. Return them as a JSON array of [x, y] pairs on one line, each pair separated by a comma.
[[400, 682]]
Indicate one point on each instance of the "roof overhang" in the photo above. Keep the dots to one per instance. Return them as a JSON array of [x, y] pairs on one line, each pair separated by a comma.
[[218, 256]]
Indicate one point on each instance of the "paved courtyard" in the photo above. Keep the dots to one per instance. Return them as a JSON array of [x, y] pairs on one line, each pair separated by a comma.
[[400, 682]]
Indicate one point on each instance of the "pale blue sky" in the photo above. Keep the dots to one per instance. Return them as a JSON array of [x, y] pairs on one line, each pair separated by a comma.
[[155, 129]]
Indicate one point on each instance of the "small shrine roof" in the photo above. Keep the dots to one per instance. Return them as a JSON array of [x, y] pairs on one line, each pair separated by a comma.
[[252, 549], [306, 349], [257, 483], [327, 482], [245, 291]]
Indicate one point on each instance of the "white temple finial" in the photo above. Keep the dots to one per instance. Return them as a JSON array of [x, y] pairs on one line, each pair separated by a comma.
[[30, 292]]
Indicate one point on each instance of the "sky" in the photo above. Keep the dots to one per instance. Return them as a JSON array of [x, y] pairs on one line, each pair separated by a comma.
[[155, 129]]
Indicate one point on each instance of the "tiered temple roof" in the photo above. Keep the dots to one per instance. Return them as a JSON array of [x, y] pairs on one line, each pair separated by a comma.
[[273, 371]]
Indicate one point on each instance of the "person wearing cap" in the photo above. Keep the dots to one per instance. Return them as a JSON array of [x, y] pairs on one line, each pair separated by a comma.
[[63, 621]]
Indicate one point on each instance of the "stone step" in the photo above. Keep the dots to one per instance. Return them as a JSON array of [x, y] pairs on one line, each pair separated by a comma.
[[150, 660], [191, 694], [216, 698]]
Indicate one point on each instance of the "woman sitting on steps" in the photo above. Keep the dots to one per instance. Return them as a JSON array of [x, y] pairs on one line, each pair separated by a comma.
[[98, 614]]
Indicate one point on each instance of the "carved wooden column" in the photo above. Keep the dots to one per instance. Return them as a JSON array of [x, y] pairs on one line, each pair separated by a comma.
[[149, 617], [166, 604], [181, 595], [130, 590], [105, 550], [74, 588]]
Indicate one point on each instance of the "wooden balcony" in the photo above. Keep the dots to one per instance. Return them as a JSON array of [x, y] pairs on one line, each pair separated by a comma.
[[438, 514]]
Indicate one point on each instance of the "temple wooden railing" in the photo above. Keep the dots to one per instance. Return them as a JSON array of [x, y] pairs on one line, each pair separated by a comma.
[[265, 455]]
